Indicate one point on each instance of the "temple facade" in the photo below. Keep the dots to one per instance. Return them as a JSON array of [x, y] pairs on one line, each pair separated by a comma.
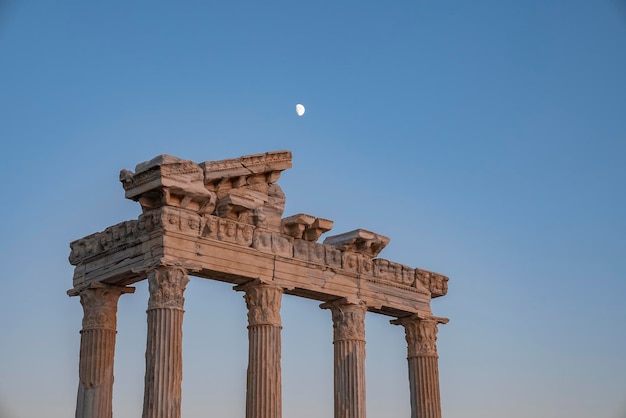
[[223, 220]]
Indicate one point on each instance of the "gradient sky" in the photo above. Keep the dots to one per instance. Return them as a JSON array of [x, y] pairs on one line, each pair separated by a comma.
[[485, 138]]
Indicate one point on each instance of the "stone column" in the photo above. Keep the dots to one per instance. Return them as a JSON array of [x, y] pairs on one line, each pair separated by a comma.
[[97, 349], [164, 351], [349, 348], [264, 387], [421, 338]]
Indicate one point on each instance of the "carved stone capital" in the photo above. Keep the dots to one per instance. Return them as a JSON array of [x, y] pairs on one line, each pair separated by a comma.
[[99, 303], [166, 286], [421, 334], [263, 302], [348, 319]]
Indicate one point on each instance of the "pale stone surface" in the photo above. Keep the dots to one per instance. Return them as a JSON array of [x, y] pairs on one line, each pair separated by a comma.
[[238, 252], [421, 338], [306, 227], [164, 355], [97, 349], [223, 220], [349, 357], [360, 240], [167, 180], [264, 387]]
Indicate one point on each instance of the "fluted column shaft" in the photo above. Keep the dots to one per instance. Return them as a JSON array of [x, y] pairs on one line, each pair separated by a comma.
[[164, 354], [349, 356], [421, 337], [97, 350], [264, 381]]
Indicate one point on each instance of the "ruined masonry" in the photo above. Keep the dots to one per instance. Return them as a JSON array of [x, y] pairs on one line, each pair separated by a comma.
[[223, 220]]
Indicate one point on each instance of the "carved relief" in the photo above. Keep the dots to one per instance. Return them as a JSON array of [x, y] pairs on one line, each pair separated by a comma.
[[348, 320], [244, 236], [317, 253], [394, 272], [365, 266], [350, 262], [166, 286], [273, 243], [262, 241], [263, 302], [436, 283], [301, 249], [282, 245], [407, 275], [116, 237], [209, 227], [333, 256], [149, 221], [227, 230]]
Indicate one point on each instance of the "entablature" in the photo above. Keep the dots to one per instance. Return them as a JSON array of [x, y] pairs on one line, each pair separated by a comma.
[[223, 220]]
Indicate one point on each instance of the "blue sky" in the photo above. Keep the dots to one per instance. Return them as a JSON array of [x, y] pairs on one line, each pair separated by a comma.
[[485, 138]]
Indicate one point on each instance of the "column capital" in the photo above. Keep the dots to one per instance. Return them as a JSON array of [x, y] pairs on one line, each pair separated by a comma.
[[421, 333], [99, 303], [166, 286], [348, 319], [263, 301]]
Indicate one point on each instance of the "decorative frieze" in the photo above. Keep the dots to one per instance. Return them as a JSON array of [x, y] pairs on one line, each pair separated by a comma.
[[273, 243], [117, 237], [317, 253], [394, 272], [191, 225], [436, 283]]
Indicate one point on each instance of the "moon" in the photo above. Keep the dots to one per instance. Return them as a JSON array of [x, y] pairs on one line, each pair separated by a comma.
[[300, 109]]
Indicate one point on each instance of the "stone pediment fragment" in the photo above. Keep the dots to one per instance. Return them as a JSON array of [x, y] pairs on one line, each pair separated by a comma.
[[360, 241], [306, 227], [242, 189], [269, 163], [246, 187], [168, 181]]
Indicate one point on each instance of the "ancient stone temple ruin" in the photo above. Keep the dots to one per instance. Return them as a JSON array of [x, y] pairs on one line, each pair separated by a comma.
[[223, 220]]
